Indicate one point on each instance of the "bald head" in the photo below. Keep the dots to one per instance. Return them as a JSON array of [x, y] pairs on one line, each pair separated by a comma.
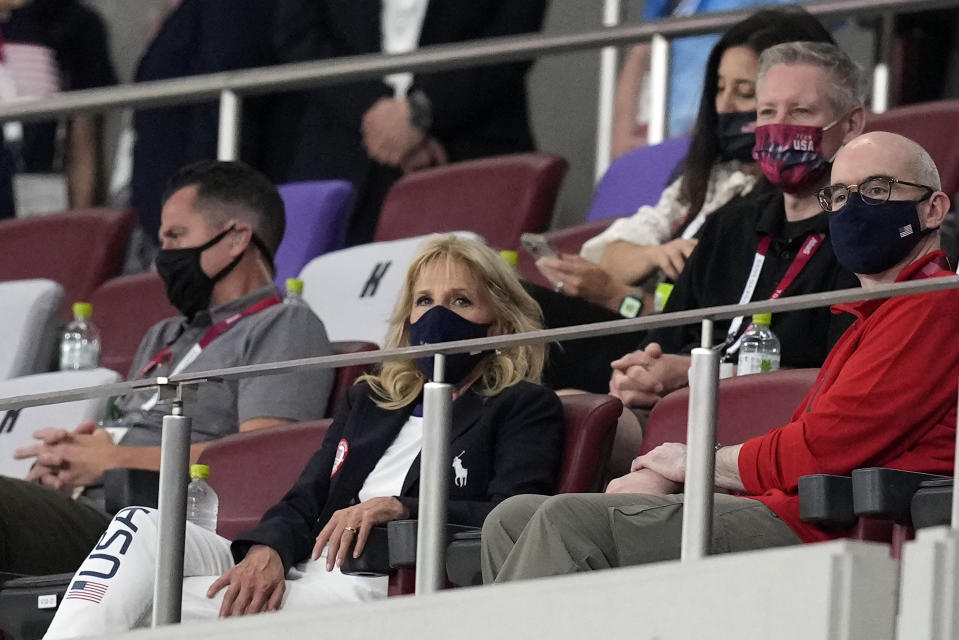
[[881, 153]]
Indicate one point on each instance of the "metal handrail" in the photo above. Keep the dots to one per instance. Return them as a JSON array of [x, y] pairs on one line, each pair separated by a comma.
[[202, 88], [576, 332]]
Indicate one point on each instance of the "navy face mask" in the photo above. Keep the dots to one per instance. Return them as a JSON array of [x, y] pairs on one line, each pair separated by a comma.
[[439, 324], [870, 239], [736, 136]]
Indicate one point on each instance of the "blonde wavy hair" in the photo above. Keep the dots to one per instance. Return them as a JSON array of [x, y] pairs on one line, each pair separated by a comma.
[[399, 383]]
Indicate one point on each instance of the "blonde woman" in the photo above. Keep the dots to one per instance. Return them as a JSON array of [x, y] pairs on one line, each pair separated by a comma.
[[506, 440]]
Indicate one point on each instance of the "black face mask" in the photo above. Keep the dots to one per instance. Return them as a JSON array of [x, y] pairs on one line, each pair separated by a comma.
[[187, 286], [735, 143]]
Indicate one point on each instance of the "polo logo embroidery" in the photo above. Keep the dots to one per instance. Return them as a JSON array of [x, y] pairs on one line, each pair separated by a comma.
[[459, 471], [342, 449]]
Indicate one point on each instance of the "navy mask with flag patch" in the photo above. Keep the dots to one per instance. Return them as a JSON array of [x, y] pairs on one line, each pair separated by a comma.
[[873, 238], [439, 324]]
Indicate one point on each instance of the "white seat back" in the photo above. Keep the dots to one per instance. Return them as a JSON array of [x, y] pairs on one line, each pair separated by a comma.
[[17, 428], [28, 326], [353, 290]]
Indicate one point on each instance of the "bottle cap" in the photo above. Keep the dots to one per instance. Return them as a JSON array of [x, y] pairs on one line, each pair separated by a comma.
[[763, 318], [201, 471], [511, 257], [82, 310], [294, 285]]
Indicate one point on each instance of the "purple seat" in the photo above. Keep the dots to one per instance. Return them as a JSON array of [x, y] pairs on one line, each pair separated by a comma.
[[636, 178], [315, 215]]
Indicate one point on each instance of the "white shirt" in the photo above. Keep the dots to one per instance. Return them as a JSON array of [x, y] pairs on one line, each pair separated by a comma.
[[386, 478], [401, 22], [655, 225]]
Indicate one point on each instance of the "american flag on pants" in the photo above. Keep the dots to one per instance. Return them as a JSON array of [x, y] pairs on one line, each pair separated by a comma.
[[86, 590]]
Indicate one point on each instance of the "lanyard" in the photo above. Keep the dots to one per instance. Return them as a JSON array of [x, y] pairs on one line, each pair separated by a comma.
[[809, 247], [165, 355]]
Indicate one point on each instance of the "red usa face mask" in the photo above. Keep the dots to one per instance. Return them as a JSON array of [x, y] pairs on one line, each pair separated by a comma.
[[790, 155]]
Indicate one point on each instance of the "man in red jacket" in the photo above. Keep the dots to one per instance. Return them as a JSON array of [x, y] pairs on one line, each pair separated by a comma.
[[864, 410]]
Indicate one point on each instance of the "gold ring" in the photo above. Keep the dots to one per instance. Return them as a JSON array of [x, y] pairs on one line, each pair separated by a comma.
[[350, 529], [558, 287]]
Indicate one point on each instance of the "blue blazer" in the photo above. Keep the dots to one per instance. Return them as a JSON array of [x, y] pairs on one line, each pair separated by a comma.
[[511, 444]]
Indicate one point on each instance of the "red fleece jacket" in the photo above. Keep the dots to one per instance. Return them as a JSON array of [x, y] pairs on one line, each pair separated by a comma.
[[885, 397]]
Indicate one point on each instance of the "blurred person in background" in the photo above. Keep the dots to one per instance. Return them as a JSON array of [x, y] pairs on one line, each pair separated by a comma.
[[372, 132], [48, 46]]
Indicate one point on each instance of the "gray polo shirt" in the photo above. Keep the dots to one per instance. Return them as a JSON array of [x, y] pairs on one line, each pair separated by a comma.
[[280, 332]]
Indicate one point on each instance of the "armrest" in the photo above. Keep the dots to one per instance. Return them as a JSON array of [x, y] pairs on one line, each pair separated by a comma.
[[826, 500], [128, 487], [403, 540], [463, 565], [375, 559], [932, 504], [886, 493]]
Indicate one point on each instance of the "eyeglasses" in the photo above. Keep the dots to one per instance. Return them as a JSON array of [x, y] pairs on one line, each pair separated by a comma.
[[873, 190]]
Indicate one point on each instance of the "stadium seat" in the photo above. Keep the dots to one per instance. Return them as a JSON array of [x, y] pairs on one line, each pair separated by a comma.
[[928, 124], [250, 472], [637, 178], [346, 376], [17, 427], [749, 406], [29, 312], [499, 198], [79, 249], [568, 240], [315, 213], [124, 308], [353, 290]]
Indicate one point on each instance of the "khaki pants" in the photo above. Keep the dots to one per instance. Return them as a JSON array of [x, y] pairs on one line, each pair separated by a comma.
[[534, 536]]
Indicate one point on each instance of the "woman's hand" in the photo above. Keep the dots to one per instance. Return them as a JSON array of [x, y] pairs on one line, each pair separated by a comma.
[[254, 585], [355, 521], [583, 279], [628, 262]]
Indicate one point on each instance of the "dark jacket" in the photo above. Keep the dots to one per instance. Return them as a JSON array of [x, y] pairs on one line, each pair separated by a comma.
[[511, 443]]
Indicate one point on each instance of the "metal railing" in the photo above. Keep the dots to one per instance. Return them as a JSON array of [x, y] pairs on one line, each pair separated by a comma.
[[703, 375], [231, 87]]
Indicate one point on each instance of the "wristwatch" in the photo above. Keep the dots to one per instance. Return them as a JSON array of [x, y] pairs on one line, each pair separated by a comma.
[[421, 110], [631, 304]]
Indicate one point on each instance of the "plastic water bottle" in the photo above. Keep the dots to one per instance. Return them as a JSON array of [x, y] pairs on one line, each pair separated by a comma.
[[294, 292], [80, 346], [201, 501], [759, 349]]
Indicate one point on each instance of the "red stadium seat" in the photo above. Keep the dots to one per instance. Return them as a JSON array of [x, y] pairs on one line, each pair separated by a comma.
[[499, 198], [78, 249], [346, 376], [749, 406], [124, 309], [251, 471], [929, 124]]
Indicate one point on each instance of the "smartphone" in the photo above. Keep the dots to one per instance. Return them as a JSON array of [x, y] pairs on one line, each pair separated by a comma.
[[538, 246]]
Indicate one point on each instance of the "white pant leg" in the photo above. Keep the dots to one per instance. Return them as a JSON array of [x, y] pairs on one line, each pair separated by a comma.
[[308, 585], [113, 589]]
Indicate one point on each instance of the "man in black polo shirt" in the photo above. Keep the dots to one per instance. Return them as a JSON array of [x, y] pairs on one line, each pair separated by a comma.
[[771, 244]]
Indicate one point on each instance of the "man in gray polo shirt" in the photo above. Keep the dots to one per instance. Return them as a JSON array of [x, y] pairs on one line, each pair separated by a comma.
[[221, 224]]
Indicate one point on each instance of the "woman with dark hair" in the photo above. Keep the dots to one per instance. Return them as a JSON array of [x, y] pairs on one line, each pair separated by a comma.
[[718, 168]]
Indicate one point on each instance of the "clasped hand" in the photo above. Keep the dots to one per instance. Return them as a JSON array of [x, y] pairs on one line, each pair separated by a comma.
[[65, 459], [641, 378], [388, 135]]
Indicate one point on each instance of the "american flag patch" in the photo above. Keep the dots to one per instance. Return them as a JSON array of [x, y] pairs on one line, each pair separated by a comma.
[[905, 231], [86, 590]]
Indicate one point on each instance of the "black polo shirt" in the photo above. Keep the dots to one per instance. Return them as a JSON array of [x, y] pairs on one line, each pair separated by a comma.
[[716, 274]]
